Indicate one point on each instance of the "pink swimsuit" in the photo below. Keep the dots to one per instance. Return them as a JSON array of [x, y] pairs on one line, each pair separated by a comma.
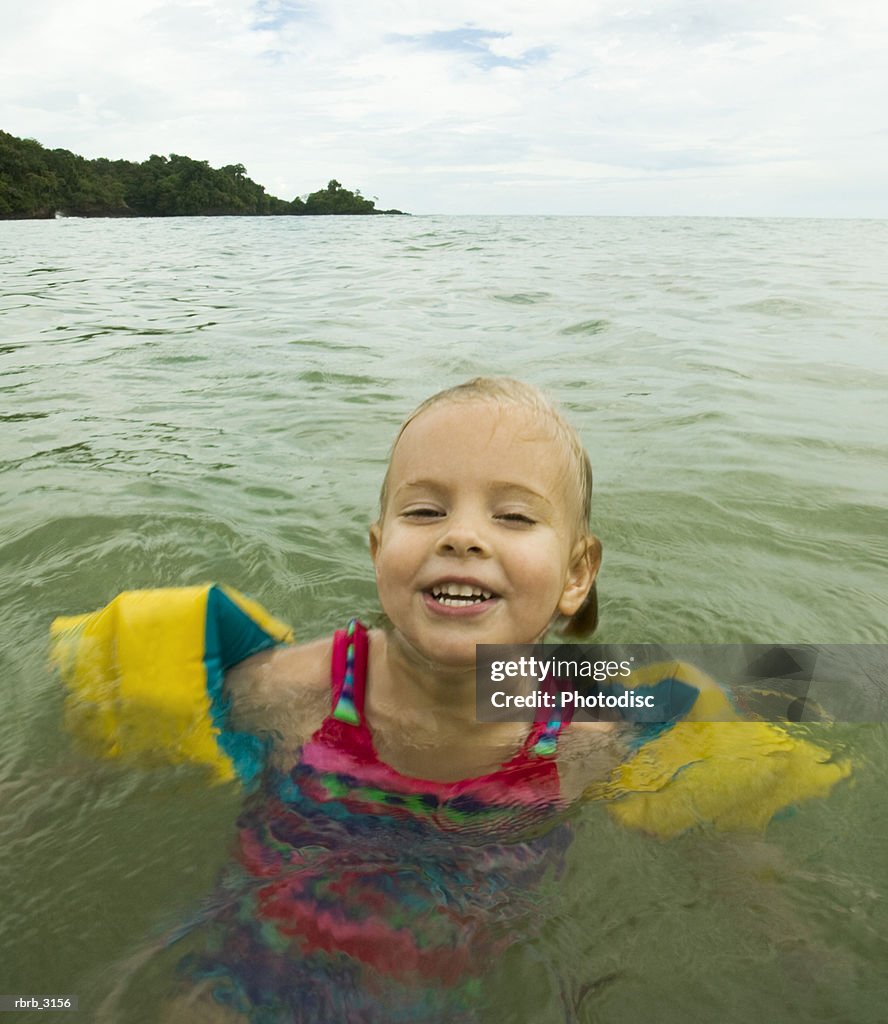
[[359, 891]]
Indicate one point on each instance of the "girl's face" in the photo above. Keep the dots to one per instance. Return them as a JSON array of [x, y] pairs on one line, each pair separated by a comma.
[[477, 542]]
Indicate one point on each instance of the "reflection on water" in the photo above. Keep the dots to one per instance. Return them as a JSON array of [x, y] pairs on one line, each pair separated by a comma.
[[214, 399]]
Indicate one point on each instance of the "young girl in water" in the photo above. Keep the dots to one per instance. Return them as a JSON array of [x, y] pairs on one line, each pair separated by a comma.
[[396, 846], [391, 851]]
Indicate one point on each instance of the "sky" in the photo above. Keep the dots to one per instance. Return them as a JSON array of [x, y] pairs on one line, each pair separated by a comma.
[[601, 107]]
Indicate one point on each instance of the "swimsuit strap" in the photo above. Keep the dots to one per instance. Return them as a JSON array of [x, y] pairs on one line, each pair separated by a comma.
[[348, 673], [542, 740], [348, 678]]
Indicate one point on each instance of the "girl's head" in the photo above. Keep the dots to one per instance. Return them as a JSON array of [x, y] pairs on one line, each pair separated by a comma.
[[483, 532]]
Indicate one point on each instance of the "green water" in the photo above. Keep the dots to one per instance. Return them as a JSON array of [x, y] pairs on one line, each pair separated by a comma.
[[194, 400]]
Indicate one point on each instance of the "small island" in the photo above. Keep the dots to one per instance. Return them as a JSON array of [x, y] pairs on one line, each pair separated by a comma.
[[39, 184]]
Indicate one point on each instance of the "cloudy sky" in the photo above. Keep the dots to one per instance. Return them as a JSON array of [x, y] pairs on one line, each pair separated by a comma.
[[737, 107]]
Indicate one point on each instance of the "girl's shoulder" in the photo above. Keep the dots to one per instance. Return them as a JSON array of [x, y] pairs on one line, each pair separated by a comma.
[[284, 691], [294, 666], [587, 754]]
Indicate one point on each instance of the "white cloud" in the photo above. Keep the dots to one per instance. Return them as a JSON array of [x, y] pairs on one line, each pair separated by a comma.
[[670, 106]]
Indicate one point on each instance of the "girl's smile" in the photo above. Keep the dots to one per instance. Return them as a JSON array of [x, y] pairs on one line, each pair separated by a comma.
[[460, 596], [477, 541]]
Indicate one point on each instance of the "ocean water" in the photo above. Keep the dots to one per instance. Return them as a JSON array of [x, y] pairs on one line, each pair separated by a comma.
[[213, 399]]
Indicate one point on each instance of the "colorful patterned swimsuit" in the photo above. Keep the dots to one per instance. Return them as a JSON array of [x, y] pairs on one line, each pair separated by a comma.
[[360, 894]]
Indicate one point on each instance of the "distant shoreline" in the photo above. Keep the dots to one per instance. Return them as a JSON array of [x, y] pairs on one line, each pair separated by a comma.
[[60, 215], [45, 184]]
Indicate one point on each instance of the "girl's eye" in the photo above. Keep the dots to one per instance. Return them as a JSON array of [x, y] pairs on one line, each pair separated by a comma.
[[517, 517], [422, 513]]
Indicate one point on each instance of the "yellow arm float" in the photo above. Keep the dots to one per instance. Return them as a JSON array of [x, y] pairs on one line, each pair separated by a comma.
[[712, 768], [144, 675]]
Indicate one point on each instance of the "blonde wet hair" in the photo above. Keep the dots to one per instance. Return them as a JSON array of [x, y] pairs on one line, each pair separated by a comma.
[[510, 392]]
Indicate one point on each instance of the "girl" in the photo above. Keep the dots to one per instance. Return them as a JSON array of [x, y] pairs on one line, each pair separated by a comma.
[[394, 844], [389, 854]]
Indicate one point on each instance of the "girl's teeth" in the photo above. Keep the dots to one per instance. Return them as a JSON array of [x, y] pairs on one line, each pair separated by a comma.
[[460, 593]]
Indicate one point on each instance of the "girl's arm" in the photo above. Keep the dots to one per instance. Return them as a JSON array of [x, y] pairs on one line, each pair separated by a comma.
[[281, 695]]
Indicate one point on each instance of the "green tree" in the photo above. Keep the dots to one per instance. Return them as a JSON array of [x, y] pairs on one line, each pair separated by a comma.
[[335, 199]]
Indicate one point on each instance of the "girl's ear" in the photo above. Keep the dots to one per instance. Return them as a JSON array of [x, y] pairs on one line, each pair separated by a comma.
[[584, 566], [375, 539]]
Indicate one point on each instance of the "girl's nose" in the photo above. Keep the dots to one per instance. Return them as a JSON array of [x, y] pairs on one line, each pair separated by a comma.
[[462, 538]]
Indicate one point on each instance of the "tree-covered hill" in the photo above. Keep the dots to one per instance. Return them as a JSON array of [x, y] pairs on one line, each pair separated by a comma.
[[39, 183]]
